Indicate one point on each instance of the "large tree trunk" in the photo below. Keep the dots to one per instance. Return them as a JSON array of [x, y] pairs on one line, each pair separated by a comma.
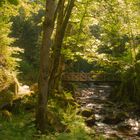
[[48, 28], [47, 77]]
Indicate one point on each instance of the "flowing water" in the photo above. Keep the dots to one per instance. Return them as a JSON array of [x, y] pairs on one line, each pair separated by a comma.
[[105, 117]]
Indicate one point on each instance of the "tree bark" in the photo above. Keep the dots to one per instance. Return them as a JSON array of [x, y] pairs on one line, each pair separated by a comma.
[[62, 21], [47, 77], [48, 27]]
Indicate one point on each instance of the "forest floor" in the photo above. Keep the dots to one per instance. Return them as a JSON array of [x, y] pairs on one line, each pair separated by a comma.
[[113, 121], [110, 119]]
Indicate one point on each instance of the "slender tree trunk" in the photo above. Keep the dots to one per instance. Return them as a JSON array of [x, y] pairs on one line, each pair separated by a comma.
[[62, 21], [48, 28]]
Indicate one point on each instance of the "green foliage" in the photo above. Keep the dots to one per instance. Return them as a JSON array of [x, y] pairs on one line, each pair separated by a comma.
[[29, 70], [6, 98], [130, 85], [22, 125], [7, 60], [15, 2], [78, 134], [75, 127], [116, 29], [26, 28], [19, 128], [102, 36], [6, 115], [78, 39]]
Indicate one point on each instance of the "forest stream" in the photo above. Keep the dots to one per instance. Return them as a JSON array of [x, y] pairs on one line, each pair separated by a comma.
[[107, 118]]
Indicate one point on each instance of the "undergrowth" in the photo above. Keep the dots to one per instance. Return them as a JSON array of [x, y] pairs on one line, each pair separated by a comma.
[[21, 126]]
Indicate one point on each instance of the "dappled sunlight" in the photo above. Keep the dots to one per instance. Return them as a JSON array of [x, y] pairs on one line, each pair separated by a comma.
[[24, 90], [104, 116], [69, 69]]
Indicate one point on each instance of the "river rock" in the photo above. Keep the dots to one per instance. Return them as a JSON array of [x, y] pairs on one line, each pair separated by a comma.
[[123, 127], [90, 121], [86, 113], [115, 118]]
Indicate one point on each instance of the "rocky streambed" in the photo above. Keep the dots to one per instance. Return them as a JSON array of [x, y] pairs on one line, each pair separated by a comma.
[[110, 119]]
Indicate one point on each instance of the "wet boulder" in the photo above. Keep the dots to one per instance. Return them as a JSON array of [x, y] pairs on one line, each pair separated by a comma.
[[86, 113], [115, 117], [90, 121]]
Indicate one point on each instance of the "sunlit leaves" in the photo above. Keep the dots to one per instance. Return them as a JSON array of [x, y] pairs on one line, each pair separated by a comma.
[[15, 2], [78, 36]]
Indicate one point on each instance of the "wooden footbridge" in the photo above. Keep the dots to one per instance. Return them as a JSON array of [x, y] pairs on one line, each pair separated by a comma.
[[89, 77]]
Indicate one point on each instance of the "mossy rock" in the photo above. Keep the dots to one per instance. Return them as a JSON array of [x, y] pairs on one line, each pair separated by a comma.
[[115, 118], [90, 121], [86, 113]]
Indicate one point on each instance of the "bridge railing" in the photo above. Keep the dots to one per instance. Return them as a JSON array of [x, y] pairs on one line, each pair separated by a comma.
[[83, 77]]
